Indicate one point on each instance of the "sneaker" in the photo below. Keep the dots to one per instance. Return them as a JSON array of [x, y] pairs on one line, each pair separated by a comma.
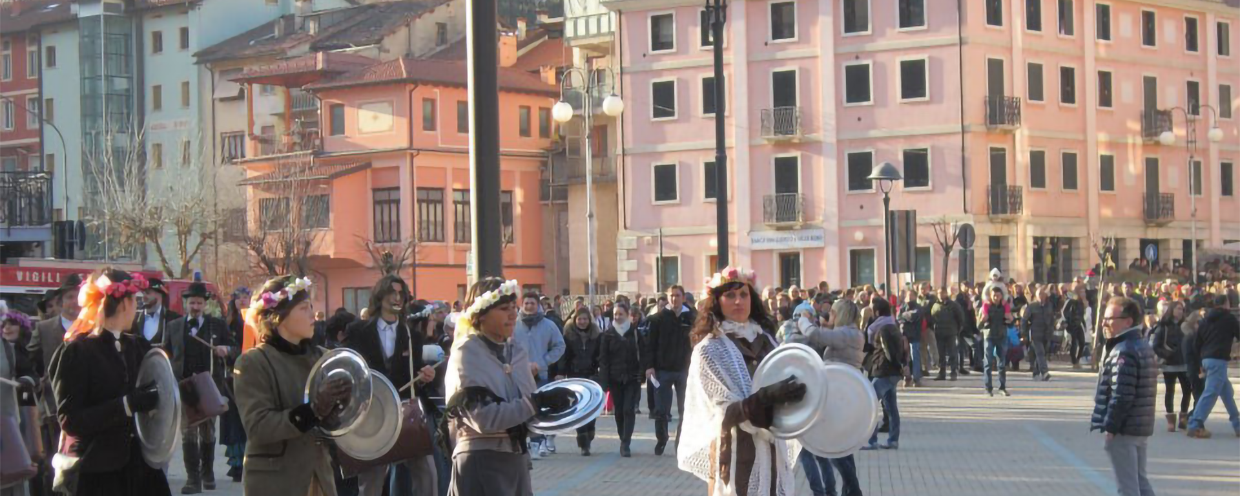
[[550, 446], [1046, 377], [964, 371], [543, 451], [891, 445], [1004, 391], [870, 447], [990, 392], [659, 447], [1199, 433], [537, 451]]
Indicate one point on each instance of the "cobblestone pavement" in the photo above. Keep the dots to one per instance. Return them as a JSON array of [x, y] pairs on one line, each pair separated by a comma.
[[954, 441]]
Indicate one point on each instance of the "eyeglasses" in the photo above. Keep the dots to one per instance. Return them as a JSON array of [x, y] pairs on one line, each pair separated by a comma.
[[1112, 319]]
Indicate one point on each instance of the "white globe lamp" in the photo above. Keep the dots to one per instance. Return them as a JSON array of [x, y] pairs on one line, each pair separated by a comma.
[[1215, 135], [613, 105], [562, 112], [1166, 138]]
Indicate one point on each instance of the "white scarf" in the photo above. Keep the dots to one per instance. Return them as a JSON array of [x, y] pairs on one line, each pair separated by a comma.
[[622, 328], [749, 331]]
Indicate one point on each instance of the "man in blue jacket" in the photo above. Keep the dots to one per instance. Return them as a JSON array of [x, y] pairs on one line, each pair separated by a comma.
[[544, 342], [1124, 403]]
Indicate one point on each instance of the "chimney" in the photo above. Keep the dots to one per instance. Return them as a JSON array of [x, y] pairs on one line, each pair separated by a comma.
[[520, 28], [547, 74], [507, 49], [542, 16], [280, 27]]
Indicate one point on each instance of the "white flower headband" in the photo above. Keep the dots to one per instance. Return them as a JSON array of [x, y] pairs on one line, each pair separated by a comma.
[[464, 324], [270, 300]]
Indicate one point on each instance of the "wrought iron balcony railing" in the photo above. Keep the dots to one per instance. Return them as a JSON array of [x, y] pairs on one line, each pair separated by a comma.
[[1003, 112], [781, 123], [25, 199], [784, 208], [1006, 200], [1154, 122], [1159, 207]]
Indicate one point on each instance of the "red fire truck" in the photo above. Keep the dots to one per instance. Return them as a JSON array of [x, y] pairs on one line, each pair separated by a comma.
[[23, 282]]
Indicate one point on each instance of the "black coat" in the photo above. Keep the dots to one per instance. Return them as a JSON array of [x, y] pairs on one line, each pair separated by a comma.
[[886, 357], [667, 340], [581, 352], [1127, 386], [363, 337], [912, 316], [1074, 315], [1215, 334], [970, 316], [139, 322], [619, 358], [184, 349], [1168, 336]]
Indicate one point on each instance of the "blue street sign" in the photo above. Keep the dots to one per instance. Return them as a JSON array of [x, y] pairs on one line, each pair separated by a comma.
[[1151, 252]]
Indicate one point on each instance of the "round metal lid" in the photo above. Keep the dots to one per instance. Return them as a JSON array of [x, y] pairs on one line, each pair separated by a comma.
[[158, 428], [587, 407], [849, 415], [345, 364], [377, 431], [793, 419]]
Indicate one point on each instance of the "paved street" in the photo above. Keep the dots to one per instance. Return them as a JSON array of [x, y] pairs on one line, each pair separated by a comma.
[[955, 441]]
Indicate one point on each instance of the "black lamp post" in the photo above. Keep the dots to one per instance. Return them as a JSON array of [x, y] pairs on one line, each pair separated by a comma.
[[718, 12], [886, 175]]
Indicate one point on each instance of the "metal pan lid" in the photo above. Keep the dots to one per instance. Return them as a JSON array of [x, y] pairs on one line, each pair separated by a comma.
[[793, 419], [348, 365], [587, 407], [848, 417], [159, 428], [379, 428]]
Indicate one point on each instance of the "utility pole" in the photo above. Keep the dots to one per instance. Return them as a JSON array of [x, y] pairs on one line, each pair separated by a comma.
[[718, 12], [482, 47]]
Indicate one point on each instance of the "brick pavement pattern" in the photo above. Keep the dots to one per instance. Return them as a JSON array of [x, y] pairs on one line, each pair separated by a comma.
[[955, 441]]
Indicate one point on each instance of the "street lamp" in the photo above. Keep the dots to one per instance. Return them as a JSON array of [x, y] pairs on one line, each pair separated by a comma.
[[886, 175], [717, 13], [563, 112], [1167, 138]]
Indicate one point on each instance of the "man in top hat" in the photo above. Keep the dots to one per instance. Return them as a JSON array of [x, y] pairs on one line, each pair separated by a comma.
[[155, 316], [49, 305], [195, 341], [61, 308]]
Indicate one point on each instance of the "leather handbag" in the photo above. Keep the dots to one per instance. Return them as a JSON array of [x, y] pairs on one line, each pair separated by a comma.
[[414, 441], [202, 398], [16, 464]]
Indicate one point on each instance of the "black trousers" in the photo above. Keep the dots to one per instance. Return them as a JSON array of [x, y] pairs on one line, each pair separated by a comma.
[[1078, 346], [1186, 391], [624, 398], [948, 357]]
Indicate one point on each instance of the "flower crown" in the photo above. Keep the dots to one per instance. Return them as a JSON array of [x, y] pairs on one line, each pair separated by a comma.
[[18, 318], [123, 288], [489, 299], [269, 300], [730, 275]]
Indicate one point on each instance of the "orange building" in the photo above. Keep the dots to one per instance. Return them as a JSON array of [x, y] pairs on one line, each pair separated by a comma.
[[389, 168]]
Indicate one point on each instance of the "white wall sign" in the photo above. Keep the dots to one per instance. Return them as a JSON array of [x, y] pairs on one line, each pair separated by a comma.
[[787, 240]]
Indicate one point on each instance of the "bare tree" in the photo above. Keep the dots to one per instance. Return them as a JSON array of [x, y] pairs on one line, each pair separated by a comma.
[[174, 217], [945, 234], [288, 217], [387, 261]]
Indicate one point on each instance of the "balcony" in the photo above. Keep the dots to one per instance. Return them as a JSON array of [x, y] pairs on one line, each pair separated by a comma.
[[1005, 201], [1002, 112], [781, 123], [1154, 122], [572, 170], [303, 102], [783, 208], [1159, 208], [25, 202], [577, 98], [290, 142]]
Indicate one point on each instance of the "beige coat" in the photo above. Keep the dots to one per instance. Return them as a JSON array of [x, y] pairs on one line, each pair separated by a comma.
[[279, 458]]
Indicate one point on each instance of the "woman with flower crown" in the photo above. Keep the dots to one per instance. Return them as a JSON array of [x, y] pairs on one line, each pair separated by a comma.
[[726, 439], [282, 455], [490, 392], [93, 375]]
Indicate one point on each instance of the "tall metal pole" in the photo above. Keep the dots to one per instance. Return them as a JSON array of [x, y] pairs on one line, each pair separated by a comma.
[[719, 11], [886, 244], [481, 47], [589, 122]]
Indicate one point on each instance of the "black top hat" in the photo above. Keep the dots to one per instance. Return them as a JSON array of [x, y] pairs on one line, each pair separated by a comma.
[[196, 289], [157, 285]]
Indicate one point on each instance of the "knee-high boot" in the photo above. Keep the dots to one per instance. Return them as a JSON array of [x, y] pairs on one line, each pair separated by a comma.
[[193, 467], [207, 453]]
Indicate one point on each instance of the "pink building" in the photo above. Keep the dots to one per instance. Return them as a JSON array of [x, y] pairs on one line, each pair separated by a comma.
[[1037, 121]]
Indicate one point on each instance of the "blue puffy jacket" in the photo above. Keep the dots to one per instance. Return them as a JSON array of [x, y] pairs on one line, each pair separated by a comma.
[[1127, 387]]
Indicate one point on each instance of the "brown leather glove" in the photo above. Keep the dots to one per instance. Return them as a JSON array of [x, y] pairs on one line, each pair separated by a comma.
[[331, 397]]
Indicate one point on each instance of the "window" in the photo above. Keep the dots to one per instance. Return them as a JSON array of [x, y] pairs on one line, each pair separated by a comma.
[[430, 215], [49, 58], [856, 16], [273, 214], [916, 168], [1106, 173], [787, 170], [9, 118], [1195, 187], [1227, 177], [912, 14], [860, 267], [1066, 18], [157, 156], [506, 215], [915, 80], [923, 264], [1102, 22], [708, 180], [441, 34], [157, 97], [1034, 75], [49, 163], [1067, 162], [32, 112], [462, 218], [157, 42], [1149, 29], [994, 13], [996, 252], [668, 271], [316, 212], [184, 94], [1224, 101], [1104, 89], [704, 30], [783, 21], [1190, 35], [32, 60], [1033, 15], [6, 62], [49, 109], [428, 114], [860, 164], [1224, 39], [857, 90], [184, 38], [232, 146], [708, 95], [337, 119], [187, 152], [1037, 169], [8, 164], [462, 117], [663, 99], [1192, 97], [663, 32], [666, 183], [544, 122], [789, 270], [523, 124], [355, 299], [387, 214], [1067, 85]]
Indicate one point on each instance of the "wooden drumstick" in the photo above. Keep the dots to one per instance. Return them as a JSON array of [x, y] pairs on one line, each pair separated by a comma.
[[10, 382]]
